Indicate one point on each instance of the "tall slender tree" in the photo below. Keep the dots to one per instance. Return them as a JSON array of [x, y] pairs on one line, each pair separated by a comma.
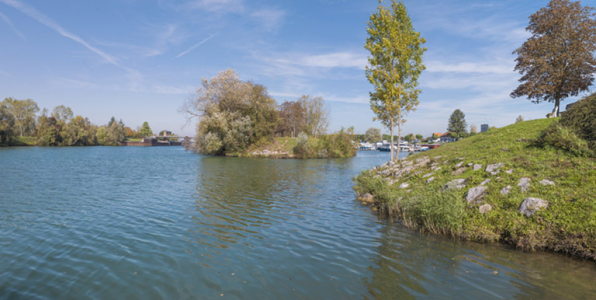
[[23, 112], [394, 65], [558, 60]]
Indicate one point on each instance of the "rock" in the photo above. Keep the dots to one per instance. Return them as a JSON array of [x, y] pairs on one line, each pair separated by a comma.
[[509, 171], [457, 184], [524, 183], [458, 171], [470, 164], [493, 169], [459, 164], [427, 175], [546, 182], [435, 168], [485, 208], [485, 181], [531, 205], [460, 158], [404, 185], [437, 157], [422, 162], [506, 190], [430, 180], [366, 198], [477, 167], [475, 193]]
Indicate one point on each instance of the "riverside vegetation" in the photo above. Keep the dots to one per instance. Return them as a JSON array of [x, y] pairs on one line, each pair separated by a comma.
[[239, 118], [530, 184]]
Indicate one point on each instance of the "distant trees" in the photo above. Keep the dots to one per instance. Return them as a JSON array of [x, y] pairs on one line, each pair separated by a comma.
[[7, 132], [457, 123], [233, 114], [410, 137], [23, 114], [145, 129], [291, 118], [434, 137], [394, 65], [519, 119], [373, 135], [473, 129], [558, 60], [316, 115], [419, 137]]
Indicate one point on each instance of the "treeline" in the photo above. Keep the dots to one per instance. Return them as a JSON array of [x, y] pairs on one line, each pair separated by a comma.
[[20, 118], [236, 114]]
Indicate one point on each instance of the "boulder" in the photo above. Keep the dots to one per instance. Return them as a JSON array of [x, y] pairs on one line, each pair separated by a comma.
[[427, 175], [477, 167], [546, 182], [510, 171], [435, 168], [485, 181], [485, 208], [459, 164], [524, 183], [475, 193], [460, 158], [430, 180], [404, 185], [457, 184], [493, 167], [506, 190], [470, 164], [366, 198], [458, 171], [531, 205]]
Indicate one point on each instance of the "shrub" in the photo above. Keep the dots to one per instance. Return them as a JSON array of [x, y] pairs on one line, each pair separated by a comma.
[[564, 138], [302, 149], [581, 119]]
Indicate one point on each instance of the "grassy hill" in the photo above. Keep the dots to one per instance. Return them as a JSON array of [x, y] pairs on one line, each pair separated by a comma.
[[405, 191]]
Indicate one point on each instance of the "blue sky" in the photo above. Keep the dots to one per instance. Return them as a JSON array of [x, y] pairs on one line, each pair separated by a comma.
[[139, 60]]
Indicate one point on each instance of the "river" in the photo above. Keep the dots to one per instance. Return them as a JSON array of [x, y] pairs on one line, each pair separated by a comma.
[[163, 223]]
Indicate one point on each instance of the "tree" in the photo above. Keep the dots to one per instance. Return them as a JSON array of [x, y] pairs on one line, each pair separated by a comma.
[[291, 118], [372, 135], [62, 113], [410, 137], [419, 137], [7, 132], [457, 123], [519, 119], [435, 137], [395, 65], [558, 60], [145, 129], [316, 115], [23, 113], [473, 129]]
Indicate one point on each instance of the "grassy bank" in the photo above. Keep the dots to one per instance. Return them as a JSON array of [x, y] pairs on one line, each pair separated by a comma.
[[405, 190]]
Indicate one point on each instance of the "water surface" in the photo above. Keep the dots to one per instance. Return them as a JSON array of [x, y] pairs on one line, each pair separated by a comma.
[[162, 223]]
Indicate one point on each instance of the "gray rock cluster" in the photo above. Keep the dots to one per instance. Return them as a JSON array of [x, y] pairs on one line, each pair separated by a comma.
[[531, 205]]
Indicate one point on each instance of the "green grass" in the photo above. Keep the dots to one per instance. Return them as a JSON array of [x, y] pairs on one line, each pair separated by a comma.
[[25, 141], [568, 225]]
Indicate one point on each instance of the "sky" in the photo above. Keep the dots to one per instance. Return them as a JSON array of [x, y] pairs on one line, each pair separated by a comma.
[[140, 60]]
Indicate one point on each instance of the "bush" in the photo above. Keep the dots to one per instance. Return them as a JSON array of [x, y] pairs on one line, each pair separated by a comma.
[[302, 149], [564, 138], [581, 119]]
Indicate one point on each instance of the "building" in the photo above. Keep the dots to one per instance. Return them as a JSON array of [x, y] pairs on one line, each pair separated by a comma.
[[446, 137], [167, 133], [484, 128]]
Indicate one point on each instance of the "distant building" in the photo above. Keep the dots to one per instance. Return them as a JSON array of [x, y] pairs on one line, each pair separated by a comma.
[[446, 137], [167, 133], [484, 128]]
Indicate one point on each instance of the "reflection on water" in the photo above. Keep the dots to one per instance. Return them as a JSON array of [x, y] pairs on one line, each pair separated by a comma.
[[161, 223]]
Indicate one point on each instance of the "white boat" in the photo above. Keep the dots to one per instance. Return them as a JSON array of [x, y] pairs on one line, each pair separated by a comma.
[[367, 147]]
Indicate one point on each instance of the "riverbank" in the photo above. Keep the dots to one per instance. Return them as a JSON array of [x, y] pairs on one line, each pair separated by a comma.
[[494, 187]]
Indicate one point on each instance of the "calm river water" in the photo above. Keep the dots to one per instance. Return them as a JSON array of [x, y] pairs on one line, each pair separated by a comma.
[[162, 223]]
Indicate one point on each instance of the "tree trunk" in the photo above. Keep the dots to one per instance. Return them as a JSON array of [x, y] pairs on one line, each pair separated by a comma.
[[391, 143], [557, 109], [398, 135]]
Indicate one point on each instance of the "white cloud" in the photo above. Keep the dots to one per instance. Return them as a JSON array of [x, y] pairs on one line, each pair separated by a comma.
[[270, 18], [469, 67], [43, 19], [14, 29], [335, 60], [195, 46], [235, 6]]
